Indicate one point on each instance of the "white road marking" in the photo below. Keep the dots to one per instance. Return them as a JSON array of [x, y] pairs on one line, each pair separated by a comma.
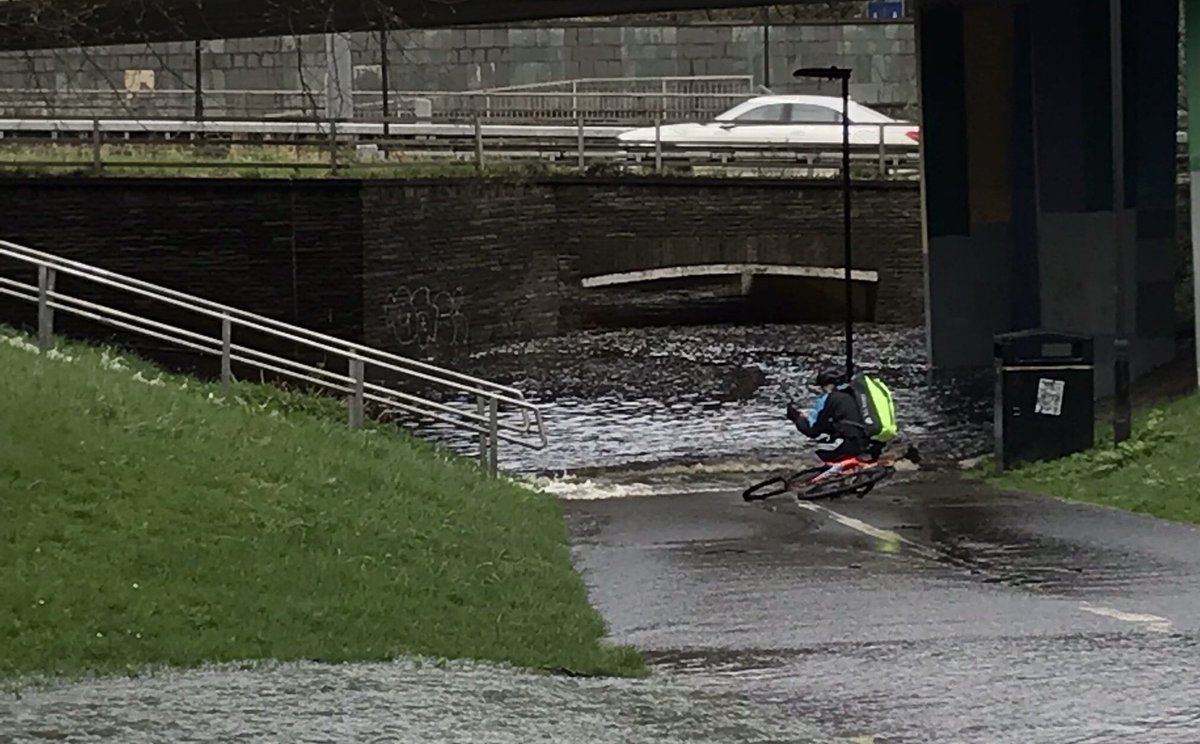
[[858, 525], [1152, 623]]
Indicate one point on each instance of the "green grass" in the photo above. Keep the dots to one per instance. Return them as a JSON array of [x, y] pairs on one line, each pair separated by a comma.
[[1156, 472], [147, 521]]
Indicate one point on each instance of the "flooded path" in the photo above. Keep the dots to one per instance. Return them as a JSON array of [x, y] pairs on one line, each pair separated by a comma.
[[930, 611]]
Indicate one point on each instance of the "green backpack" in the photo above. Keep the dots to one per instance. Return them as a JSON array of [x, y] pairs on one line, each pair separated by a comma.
[[875, 404]]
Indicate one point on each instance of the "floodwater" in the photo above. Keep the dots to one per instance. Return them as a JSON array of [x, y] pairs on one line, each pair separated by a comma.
[[930, 611], [713, 396], [927, 612]]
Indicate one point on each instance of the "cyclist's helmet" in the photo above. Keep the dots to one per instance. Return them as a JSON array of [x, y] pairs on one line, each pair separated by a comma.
[[829, 376]]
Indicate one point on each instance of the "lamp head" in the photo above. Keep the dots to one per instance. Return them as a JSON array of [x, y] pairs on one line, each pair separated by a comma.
[[824, 73]]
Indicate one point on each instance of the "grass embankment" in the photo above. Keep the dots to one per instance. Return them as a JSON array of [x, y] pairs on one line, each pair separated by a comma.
[[146, 521], [1156, 471]]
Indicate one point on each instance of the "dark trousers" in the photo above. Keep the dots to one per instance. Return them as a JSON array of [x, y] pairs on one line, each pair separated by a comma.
[[834, 449]]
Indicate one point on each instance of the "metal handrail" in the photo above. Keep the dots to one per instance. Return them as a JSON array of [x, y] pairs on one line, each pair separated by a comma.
[[500, 412], [746, 80], [623, 105]]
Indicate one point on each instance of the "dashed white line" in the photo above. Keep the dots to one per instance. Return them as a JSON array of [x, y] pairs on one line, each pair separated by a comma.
[[1152, 623], [857, 524]]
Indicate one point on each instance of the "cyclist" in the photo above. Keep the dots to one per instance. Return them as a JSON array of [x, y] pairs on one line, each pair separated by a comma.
[[835, 421]]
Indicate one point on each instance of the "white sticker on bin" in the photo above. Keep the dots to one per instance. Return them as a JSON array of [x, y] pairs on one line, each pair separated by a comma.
[[1050, 397]]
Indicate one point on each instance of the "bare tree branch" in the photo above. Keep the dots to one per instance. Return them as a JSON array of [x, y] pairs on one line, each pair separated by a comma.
[[40, 24]]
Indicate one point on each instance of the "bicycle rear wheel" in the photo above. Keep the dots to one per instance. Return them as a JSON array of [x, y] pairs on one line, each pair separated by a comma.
[[780, 484], [766, 489]]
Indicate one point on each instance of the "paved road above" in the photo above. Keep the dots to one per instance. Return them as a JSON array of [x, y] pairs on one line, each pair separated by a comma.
[[929, 611]]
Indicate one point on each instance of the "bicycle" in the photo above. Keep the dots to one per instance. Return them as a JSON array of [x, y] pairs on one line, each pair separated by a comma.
[[856, 475]]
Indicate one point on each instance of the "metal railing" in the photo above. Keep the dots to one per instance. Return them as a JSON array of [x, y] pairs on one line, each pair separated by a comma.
[[495, 412], [641, 84], [674, 99], [350, 145]]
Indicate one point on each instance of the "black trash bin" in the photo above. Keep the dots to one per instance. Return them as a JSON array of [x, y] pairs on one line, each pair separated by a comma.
[[1045, 402]]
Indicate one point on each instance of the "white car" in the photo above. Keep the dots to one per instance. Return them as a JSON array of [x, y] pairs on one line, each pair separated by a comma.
[[785, 120]]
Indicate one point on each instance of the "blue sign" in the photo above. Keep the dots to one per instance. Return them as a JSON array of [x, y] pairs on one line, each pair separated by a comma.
[[885, 9]]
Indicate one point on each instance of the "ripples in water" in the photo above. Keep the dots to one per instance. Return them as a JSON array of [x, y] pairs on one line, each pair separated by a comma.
[[699, 394], [401, 702], [1069, 688]]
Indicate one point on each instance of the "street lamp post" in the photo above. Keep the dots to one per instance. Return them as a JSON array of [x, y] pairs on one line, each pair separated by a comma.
[[842, 74], [1122, 406]]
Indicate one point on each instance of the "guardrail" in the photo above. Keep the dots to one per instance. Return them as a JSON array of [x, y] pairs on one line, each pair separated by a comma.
[[640, 84], [495, 412], [615, 100], [350, 145]]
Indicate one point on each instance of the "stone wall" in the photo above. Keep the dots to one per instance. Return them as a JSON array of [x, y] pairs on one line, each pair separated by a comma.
[[781, 222], [433, 268], [882, 56], [285, 250], [453, 265], [464, 263]]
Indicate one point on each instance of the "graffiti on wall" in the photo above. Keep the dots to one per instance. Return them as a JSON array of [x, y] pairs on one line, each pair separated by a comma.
[[423, 317]]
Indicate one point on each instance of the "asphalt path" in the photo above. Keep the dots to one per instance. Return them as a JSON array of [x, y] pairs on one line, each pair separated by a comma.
[[934, 610]]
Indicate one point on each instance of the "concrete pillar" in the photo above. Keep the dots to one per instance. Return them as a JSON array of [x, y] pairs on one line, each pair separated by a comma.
[[1019, 177], [339, 77], [1192, 62]]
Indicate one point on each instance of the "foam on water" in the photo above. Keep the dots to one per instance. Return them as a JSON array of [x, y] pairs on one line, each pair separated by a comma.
[[572, 488], [668, 478]]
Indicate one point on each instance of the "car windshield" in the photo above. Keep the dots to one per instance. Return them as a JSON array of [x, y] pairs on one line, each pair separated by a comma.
[[859, 114], [772, 113], [738, 110]]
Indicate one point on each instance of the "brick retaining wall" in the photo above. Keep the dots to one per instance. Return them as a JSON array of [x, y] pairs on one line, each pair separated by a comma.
[[439, 266]]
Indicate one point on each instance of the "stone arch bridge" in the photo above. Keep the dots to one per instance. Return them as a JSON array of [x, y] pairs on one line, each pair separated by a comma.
[[796, 277]]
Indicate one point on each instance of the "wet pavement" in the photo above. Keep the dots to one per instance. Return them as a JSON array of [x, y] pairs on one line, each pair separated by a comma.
[[929, 611]]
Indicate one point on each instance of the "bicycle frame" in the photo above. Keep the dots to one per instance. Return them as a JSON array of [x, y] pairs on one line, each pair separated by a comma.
[[812, 479]]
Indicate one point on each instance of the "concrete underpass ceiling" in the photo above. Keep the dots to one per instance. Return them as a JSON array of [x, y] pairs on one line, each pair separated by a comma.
[[39, 24]]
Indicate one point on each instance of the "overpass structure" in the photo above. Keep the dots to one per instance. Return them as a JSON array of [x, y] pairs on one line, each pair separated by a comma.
[[1049, 162], [33, 24]]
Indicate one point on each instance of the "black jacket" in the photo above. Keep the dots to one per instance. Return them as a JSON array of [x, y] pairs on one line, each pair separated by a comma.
[[839, 417]]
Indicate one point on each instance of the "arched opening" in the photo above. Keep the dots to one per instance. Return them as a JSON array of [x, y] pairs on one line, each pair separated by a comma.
[[703, 296]]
